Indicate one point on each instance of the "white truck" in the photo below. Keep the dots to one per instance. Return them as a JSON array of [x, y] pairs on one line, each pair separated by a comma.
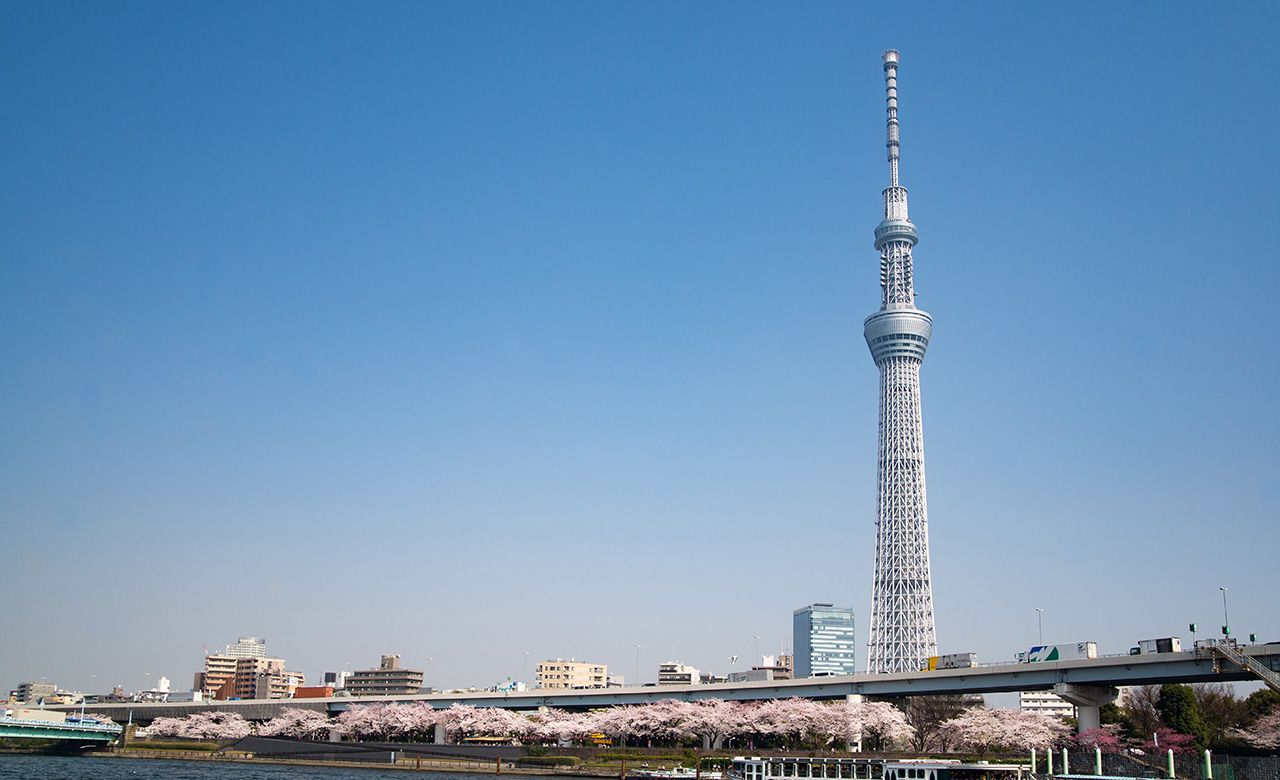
[[952, 661], [1072, 652], [1171, 644]]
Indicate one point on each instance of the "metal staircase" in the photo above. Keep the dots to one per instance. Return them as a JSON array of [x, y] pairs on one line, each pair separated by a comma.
[[1228, 650]]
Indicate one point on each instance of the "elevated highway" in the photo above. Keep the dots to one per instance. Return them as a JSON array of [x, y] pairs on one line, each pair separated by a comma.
[[1091, 682]]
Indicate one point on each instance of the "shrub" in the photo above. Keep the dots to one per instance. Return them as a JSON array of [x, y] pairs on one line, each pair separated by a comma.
[[549, 761]]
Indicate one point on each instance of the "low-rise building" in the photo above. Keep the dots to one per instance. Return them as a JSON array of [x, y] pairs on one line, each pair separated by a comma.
[[1046, 703], [33, 692], [781, 666], [387, 680], [572, 674], [676, 673]]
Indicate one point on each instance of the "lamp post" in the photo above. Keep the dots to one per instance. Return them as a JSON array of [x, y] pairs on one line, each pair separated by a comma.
[[1040, 623], [524, 670], [757, 656], [1226, 624], [429, 660], [637, 664]]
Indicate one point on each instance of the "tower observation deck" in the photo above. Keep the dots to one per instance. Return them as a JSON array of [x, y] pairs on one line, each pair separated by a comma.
[[902, 633]]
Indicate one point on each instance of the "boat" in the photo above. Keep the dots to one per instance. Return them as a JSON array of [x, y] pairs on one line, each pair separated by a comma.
[[798, 767], [762, 767], [678, 773]]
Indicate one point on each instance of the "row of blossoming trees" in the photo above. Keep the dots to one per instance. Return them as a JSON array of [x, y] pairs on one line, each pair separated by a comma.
[[784, 723]]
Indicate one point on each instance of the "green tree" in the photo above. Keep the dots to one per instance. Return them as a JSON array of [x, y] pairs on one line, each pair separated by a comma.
[[1262, 703], [1179, 711], [1110, 713]]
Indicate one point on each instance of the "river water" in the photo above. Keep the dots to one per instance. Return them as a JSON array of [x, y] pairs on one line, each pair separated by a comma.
[[28, 767]]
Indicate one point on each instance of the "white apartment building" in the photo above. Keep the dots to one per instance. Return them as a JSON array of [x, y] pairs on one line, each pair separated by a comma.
[[1046, 703], [676, 673], [572, 674]]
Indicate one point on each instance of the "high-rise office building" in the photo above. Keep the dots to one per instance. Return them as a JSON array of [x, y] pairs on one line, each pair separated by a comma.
[[902, 632], [824, 640]]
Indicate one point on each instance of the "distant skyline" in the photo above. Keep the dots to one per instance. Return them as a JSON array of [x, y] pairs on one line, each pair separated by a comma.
[[466, 331]]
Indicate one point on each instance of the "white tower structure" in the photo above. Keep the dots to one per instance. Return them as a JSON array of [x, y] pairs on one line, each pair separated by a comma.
[[902, 635]]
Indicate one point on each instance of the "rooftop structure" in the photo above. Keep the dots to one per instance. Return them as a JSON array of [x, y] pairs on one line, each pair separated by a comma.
[[248, 647]]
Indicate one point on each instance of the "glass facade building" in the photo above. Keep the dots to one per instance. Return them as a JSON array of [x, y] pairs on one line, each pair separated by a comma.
[[824, 641]]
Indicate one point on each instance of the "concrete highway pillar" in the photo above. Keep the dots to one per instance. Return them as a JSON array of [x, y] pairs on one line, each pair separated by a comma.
[[855, 739], [1088, 700], [440, 736]]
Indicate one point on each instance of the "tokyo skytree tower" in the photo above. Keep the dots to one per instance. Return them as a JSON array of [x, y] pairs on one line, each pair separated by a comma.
[[902, 635]]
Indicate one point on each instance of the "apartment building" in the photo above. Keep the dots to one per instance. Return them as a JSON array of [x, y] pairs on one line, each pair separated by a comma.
[[387, 680], [571, 674]]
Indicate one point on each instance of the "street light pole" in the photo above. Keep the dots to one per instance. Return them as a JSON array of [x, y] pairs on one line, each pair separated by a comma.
[[757, 658], [1226, 624], [1040, 623], [637, 664]]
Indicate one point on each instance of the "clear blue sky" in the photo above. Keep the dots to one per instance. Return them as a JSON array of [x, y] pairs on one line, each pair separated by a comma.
[[467, 329]]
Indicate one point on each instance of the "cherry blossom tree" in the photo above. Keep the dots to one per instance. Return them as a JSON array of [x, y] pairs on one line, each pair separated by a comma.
[[363, 722], [165, 727], [715, 719], [877, 721], [1168, 739], [489, 722], [1264, 733], [1106, 738], [667, 720], [551, 725], [792, 719], [982, 730], [297, 723], [213, 724]]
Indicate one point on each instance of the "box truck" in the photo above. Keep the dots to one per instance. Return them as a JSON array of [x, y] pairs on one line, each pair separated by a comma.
[[1171, 644], [952, 661], [1073, 652]]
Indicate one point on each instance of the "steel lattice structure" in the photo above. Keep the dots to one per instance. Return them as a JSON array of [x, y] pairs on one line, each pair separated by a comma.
[[902, 633]]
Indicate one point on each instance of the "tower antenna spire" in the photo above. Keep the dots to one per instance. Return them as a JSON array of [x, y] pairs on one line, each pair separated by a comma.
[[890, 58], [902, 628]]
